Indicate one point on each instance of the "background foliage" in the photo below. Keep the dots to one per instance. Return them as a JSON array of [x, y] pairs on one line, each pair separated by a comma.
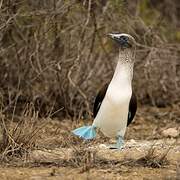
[[55, 53]]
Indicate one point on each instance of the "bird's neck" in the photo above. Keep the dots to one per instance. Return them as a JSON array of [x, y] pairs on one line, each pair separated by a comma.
[[124, 70]]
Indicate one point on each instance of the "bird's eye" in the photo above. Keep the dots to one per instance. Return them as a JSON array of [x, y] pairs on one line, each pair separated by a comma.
[[124, 38]]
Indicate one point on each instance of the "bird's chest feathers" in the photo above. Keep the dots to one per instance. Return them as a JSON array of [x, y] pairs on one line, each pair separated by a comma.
[[112, 117], [118, 96], [119, 91], [113, 113]]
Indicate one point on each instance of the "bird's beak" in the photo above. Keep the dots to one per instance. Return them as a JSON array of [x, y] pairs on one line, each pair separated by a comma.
[[115, 37], [112, 36]]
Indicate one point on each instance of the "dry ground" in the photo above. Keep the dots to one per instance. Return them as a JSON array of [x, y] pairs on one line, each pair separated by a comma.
[[148, 153]]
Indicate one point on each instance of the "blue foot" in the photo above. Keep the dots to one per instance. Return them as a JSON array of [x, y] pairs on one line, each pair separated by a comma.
[[85, 132], [119, 145]]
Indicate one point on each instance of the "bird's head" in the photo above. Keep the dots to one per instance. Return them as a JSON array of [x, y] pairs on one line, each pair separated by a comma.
[[125, 41], [127, 46]]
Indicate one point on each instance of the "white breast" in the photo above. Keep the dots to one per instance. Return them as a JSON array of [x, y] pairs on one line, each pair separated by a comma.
[[113, 113]]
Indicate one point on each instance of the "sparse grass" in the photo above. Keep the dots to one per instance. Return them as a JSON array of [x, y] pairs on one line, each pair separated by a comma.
[[20, 137], [63, 150], [84, 158], [151, 159], [88, 158]]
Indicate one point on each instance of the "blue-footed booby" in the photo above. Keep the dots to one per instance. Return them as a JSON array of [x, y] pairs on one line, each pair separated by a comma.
[[115, 105]]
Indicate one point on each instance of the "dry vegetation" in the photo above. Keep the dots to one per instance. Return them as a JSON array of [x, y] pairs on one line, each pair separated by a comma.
[[19, 137], [55, 55]]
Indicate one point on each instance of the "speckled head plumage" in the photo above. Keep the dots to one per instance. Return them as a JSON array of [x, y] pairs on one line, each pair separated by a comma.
[[125, 41], [127, 46]]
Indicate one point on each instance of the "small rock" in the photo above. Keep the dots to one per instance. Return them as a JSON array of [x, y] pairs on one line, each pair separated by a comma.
[[134, 173], [133, 141], [170, 132], [103, 146], [130, 143]]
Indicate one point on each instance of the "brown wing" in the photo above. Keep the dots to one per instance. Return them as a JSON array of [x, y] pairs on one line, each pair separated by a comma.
[[132, 108], [99, 99]]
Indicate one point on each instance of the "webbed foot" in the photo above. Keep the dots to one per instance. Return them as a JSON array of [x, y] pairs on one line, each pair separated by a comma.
[[119, 145]]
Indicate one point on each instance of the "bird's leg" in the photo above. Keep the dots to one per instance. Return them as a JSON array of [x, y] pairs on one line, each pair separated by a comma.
[[119, 144]]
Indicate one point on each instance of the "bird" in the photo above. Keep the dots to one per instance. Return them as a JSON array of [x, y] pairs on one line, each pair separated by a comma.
[[115, 105]]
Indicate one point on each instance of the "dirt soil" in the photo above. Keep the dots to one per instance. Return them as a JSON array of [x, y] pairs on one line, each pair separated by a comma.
[[149, 153]]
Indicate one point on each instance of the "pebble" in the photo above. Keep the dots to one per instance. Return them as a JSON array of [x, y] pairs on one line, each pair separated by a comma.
[[170, 132], [103, 146]]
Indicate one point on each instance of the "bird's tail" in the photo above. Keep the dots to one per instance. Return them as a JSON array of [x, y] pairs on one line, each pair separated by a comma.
[[85, 132]]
